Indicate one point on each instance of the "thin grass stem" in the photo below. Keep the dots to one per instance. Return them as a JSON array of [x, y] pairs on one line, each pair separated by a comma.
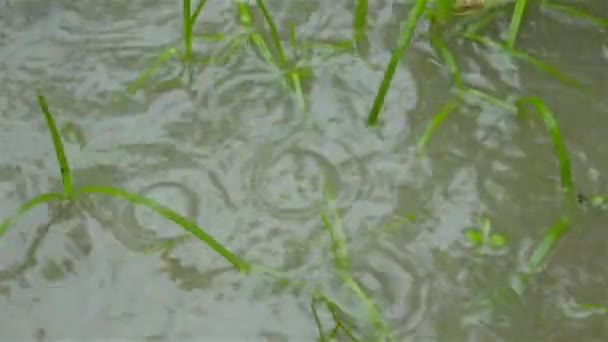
[[360, 20], [556, 137], [169, 214], [274, 33], [448, 58], [29, 205], [64, 167], [187, 28], [197, 12], [438, 118], [573, 11], [518, 13], [568, 80], [404, 42]]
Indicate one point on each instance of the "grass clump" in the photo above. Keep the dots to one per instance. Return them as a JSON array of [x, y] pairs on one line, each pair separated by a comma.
[[293, 69], [71, 194], [331, 221]]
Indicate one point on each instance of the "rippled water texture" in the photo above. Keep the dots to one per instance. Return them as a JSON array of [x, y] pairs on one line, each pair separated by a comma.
[[232, 150]]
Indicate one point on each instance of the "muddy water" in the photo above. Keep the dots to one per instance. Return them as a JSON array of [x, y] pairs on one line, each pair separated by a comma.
[[230, 149]]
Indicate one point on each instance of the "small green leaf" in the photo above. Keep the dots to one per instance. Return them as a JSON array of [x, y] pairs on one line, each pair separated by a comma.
[[474, 235], [497, 240]]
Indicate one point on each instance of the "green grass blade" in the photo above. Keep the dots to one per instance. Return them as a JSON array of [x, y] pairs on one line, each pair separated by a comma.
[[336, 234], [256, 38], [293, 40], [381, 328], [558, 142], [334, 308], [27, 206], [342, 268], [444, 10], [187, 28], [64, 167], [518, 13], [549, 69], [360, 20], [438, 118], [169, 214], [244, 14], [263, 49], [274, 33], [448, 58], [520, 280], [297, 84], [197, 12], [573, 11], [528, 58], [550, 240], [485, 19], [224, 55], [404, 42], [152, 69], [482, 95]]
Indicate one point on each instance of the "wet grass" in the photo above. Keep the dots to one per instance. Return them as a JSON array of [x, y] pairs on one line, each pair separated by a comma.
[[71, 195], [404, 41], [270, 47]]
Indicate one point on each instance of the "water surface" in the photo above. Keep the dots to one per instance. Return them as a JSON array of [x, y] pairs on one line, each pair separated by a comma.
[[231, 150]]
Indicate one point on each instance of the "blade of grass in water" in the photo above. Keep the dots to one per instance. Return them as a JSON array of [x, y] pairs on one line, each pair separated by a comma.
[[333, 309], [27, 206], [404, 42], [520, 280], [558, 142], [518, 13], [64, 167], [573, 11], [297, 85], [336, 234], [274, 33], [223, 56], [437, 120], [294, 77], [552, 237], [152, 69], [341, 264], [197, 12], [247, 22], [360, 20], [486, 18], [487, 98], [448, 58], [528, 58], [187, 28], [474, 23], [293, 40], [444, 10], [169, 214]]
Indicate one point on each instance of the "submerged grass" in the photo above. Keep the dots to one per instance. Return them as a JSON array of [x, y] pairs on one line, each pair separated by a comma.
[[333, 224], [438, 118], [518, 54], [389, 73], [558, 142], [360, 20], [273, 52], [518, 13], [331, 220], [575, 12], [71, 194]]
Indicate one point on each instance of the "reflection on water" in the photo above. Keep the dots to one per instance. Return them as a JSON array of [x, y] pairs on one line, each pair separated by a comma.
[[230, 150]]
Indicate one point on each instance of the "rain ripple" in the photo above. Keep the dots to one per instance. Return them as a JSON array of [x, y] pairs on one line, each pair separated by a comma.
[[289, 180]]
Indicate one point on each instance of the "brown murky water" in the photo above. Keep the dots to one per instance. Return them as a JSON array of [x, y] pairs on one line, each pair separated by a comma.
[[232, 151]]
